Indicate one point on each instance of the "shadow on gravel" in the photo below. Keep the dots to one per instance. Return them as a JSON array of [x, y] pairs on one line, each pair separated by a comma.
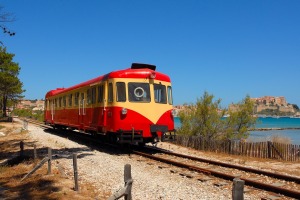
[[86, 140]]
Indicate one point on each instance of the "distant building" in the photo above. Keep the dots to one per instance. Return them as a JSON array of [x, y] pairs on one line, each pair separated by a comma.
[[271, 103], [270, 100], [31, 104]]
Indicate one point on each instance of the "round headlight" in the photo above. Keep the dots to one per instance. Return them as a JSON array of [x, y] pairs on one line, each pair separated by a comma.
[[124, 111], [173, 112]]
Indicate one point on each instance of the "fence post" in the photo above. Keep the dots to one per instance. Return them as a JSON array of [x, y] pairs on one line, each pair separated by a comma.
[[238, 189], [269, 149], [126, 191], [127, 178], [76, 188], [21, 149], [50, 159]]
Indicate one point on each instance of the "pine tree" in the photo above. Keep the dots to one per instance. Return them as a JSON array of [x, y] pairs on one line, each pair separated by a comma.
[[10, 85]]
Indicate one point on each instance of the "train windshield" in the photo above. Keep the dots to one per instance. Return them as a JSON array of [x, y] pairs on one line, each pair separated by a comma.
[[160, 94], [139, 92]]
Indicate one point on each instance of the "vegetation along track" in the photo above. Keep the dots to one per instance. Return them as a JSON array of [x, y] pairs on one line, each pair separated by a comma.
[[278, 183], [268, 181]]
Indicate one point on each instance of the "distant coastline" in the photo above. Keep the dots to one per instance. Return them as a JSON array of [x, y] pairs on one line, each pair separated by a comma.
[[266, 106], [269, 123], [267, 127], [273, 129]]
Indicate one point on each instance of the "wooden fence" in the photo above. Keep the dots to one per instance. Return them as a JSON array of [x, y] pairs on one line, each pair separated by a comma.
[[270, 150]]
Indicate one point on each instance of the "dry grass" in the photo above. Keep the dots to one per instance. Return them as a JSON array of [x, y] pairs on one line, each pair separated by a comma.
[[39, 185], [281, 139]]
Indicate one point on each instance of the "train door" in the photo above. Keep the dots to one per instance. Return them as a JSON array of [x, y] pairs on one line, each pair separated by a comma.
[[93, 111], [81, 110], [109, 105]]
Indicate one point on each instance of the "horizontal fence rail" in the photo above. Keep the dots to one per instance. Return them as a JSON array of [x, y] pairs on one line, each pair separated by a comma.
[[270, 150]]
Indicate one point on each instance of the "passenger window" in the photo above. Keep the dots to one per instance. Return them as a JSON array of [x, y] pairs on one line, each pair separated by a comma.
[[89, 96], [76, 98], [82, 102], [160, 93], [60, 102], [93, 95], [170, 98], [121, 92], [49, 103], [100, 93], [70, 100], [64, 101], [110, 92]]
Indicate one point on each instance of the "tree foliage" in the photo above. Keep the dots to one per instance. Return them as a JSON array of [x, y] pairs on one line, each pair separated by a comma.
[[28, 113], [202, 118], [240, 120], [11, 88], [205, 119]]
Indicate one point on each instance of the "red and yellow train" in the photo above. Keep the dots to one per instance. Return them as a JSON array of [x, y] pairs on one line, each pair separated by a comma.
[[133, 106]]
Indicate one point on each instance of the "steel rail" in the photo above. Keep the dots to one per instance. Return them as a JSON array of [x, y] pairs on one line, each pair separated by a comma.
[[249, 182], [257, 171]]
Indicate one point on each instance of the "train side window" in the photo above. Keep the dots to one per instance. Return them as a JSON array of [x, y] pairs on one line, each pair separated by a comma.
[[81, 98], [100, 93], [51, 104], [121, 92], [59, 102], [110, 93], [160, 93], [76, 98], [70, 100], [64, 101], [93, 93], [55, 102], [89, 96], [170, 97]]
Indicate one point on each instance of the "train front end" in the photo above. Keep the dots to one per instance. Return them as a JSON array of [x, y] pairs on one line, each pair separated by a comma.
[[142, 111]]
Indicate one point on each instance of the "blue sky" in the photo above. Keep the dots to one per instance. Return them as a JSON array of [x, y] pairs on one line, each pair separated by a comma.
[[228, 48]]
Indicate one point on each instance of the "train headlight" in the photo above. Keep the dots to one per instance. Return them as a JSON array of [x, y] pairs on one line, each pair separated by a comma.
[[173, 112], [124, 111], [152, 75]]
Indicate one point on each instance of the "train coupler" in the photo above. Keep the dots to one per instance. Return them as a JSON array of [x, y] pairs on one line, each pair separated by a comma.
[[130, 137]]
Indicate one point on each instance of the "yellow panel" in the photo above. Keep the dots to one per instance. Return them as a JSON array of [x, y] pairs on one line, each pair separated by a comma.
[[152, 110]]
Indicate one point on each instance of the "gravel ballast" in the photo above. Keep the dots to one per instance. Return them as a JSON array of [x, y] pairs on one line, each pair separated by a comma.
[[106, 172]]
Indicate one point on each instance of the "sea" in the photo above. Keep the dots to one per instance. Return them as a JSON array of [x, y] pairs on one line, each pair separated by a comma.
[[286, 123]]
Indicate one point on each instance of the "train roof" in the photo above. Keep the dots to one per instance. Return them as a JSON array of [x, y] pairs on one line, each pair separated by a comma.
[[136, 71]]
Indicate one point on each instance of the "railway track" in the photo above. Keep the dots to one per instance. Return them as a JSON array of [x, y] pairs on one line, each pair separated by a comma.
[[277, 183], [264, 180], [239, 167]]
